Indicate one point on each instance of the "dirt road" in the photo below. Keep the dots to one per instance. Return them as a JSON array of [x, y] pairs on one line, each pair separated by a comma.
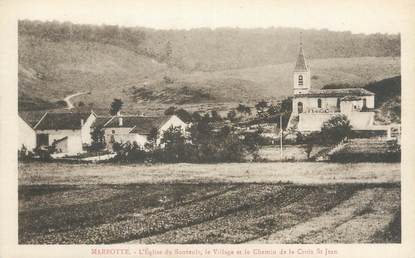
[[67, 99]]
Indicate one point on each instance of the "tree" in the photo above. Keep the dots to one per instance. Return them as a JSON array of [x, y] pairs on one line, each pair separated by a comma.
[[116, 106], [308, 141], [152, 139], [243, 109], [81, 104], [231, 115], [183, 115], [215, 116], [196, 117], [287, 105], [261, 108], [253, 141], [98, 139], [170, 111], [336, 129], [174, 144], [168, 53]]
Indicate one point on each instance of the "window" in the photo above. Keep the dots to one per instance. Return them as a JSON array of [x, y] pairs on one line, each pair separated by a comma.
[[300, 80], [300, 107], [319, 103], [364, 103], [338, 103]]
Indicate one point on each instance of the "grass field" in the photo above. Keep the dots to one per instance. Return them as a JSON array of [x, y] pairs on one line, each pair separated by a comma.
[[183, 203]]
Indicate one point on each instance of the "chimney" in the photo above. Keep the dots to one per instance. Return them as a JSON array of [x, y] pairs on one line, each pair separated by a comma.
[[119, 121]]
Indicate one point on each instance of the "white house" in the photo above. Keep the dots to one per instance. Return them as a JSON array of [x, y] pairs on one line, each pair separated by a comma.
[[312, 107], [126, 128], [68, 131], [27, 120]]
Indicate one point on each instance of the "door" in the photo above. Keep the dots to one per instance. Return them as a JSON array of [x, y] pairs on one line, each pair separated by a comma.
[[42, 139], [300, 107]]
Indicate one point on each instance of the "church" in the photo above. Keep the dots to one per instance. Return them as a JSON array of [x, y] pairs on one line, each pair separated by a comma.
[[312, 107]]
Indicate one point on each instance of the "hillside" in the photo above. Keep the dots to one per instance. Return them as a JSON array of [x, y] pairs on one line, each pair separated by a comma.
[[387, 100], [204, 49], [146, 74]]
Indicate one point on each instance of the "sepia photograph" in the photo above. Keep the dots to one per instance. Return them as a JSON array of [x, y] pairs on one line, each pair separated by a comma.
[[209, 123], [226, 135]]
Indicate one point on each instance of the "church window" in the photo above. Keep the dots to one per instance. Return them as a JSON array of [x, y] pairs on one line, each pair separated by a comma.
[[319, 103], [300, 80]]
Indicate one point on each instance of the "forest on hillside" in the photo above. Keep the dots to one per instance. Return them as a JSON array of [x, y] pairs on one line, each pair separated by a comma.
[[205, 49]]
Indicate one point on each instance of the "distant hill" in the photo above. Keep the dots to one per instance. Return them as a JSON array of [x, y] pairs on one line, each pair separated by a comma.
[[385, 90], [388, 99], [148, 67]]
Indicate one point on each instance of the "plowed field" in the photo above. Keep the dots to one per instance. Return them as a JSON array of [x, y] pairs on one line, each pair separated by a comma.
[[207, 212]]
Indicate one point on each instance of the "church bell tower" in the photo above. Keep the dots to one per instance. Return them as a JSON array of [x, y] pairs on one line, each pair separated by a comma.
[[302, 78]]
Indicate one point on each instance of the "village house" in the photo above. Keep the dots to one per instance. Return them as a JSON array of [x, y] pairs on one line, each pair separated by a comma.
[[312, 107], [27, 120], [69, 132], [133, 128]]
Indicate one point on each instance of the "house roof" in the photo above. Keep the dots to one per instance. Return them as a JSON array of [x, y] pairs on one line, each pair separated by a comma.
[[100, 121], [351, 98], [62, 121], [301, 64], [336, 93], [147, 123], [31, 117], [139, 124]]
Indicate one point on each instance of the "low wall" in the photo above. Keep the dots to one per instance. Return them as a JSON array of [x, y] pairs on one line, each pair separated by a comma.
[[314, 121]]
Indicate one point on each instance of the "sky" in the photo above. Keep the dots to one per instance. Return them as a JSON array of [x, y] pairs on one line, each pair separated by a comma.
[[357, 16]]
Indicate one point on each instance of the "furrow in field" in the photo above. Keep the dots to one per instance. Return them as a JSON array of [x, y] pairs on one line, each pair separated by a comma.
[[285, 209], [366, 221], [245, 197], [125, 202], [354, 220]]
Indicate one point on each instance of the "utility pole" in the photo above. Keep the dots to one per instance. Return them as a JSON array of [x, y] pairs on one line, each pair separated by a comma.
[[280, 137]]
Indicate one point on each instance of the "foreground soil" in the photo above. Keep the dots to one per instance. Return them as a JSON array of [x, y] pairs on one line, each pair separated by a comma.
[[190, 213]]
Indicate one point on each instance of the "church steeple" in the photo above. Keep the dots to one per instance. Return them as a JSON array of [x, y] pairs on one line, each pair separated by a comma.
[[302, 78], [301, 64]]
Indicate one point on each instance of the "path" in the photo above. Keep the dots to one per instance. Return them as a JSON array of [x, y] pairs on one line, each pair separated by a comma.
[[69, 105]]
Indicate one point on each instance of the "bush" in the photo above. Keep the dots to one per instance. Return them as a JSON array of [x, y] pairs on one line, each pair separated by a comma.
[[203, 144], [45, 152], [129, 152], [336, 129], [23, 154], [308, 141]]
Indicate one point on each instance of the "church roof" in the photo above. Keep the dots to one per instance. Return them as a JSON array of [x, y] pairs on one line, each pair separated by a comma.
[[301, 64], [336, 93]]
